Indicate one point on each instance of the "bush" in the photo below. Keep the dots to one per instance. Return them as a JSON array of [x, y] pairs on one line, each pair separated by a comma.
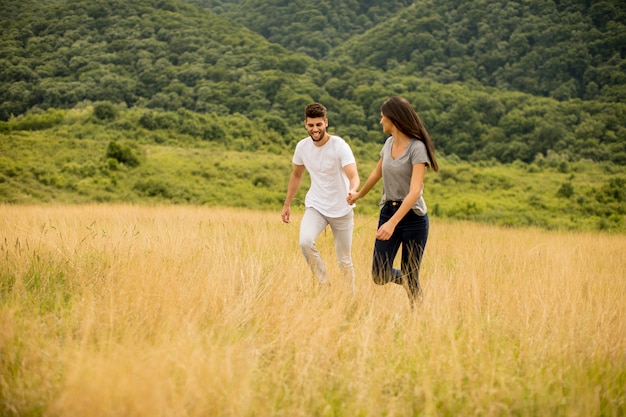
[[276, 123], [112, 164], [566, 190], [105, 111], [166, 121], [122, 153], [213, 132], [148, 121], [153, 188]]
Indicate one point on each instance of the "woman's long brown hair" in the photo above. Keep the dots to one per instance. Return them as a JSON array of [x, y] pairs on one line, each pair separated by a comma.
[[401, 113]]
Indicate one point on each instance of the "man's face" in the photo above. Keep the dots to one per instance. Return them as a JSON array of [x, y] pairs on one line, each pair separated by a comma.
[[316, 127]]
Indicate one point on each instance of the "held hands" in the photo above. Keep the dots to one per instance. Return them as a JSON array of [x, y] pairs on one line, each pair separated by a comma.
[[353, 196], [385, 231]]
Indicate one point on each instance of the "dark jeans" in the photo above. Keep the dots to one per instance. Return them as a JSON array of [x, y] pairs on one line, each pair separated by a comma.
[[411, 233]]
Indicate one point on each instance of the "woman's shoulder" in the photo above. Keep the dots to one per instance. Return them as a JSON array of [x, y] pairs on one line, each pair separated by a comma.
[[386, 148], [417, 142], [417, 150]]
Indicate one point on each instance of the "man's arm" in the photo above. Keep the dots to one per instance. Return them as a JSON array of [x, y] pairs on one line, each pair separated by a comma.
[[374, 177], [353, 176], [294, 184]]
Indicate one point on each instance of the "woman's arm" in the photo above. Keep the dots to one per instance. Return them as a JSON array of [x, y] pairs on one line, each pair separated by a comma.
[[417, 180], [375, 176]]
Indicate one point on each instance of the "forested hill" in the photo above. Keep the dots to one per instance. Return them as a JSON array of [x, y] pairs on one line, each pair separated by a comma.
[[563, 49], [174, 57], [311, 27], [158, 54]]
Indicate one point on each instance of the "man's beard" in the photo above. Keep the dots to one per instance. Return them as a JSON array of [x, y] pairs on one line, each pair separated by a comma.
[[322, 136]]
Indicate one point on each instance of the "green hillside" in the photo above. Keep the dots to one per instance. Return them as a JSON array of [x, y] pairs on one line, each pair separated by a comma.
[[151, 54], [313, 28], [560, 49], [93, 154], [170, 55], [201, 102]]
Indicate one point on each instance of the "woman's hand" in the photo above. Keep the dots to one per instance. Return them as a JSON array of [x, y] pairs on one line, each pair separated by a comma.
[[353, 196], [385, 231]]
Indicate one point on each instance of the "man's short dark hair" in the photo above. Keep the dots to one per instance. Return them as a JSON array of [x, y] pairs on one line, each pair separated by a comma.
[[314, 110]]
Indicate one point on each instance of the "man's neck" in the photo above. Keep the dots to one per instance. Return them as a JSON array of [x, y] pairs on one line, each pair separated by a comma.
[[322, 141]]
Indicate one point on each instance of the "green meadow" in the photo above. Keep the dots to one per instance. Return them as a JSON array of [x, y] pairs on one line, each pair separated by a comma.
[[79, 156]]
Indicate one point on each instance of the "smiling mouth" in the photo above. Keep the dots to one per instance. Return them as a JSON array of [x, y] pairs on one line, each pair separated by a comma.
[[318, 135]]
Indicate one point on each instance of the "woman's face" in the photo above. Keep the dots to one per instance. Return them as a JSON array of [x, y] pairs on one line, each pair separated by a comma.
[[386, 123]]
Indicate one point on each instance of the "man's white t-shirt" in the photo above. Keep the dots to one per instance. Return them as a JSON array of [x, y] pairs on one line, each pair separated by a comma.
[[329, 182]]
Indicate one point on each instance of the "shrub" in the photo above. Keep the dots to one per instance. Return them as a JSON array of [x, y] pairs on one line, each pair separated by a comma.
[[153, 188], [166, 121], [147, 121], [566, 190], [105, 111], [213, 132], [122, 153], [276, 124], [614, 191], [112, 164]]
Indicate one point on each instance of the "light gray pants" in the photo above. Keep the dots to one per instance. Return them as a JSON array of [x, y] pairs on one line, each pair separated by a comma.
[[313, 223]]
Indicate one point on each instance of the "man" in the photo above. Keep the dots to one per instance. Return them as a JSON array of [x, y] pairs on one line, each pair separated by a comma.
[[332, 168]]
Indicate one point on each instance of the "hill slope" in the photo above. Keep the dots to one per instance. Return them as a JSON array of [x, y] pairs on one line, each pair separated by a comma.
[[81, 158], [170, 57], [152, 53], [567, 49], [563, 49], [313, 28]]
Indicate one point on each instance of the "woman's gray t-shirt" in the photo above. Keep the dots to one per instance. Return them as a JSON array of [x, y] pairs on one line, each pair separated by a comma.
[[397, 172]]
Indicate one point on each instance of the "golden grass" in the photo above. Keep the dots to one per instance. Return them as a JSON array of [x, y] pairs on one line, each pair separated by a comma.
[[195, 311]]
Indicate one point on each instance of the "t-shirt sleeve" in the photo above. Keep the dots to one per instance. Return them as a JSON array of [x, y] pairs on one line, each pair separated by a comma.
[[385, 148], [418, 153], [347, 157], [297, 155]]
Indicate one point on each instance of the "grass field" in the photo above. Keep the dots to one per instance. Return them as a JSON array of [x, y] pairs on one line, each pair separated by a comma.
[[119, 310]]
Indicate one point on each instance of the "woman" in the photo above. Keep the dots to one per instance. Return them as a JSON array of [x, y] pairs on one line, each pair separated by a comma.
[[403, 219]]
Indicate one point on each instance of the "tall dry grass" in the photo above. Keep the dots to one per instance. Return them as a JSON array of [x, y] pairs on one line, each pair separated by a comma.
[[188, 311]]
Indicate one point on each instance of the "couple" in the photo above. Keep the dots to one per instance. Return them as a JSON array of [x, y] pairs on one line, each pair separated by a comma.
[[334, 189]]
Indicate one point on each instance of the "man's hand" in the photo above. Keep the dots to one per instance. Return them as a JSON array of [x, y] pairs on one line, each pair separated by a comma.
[[286, 214]]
